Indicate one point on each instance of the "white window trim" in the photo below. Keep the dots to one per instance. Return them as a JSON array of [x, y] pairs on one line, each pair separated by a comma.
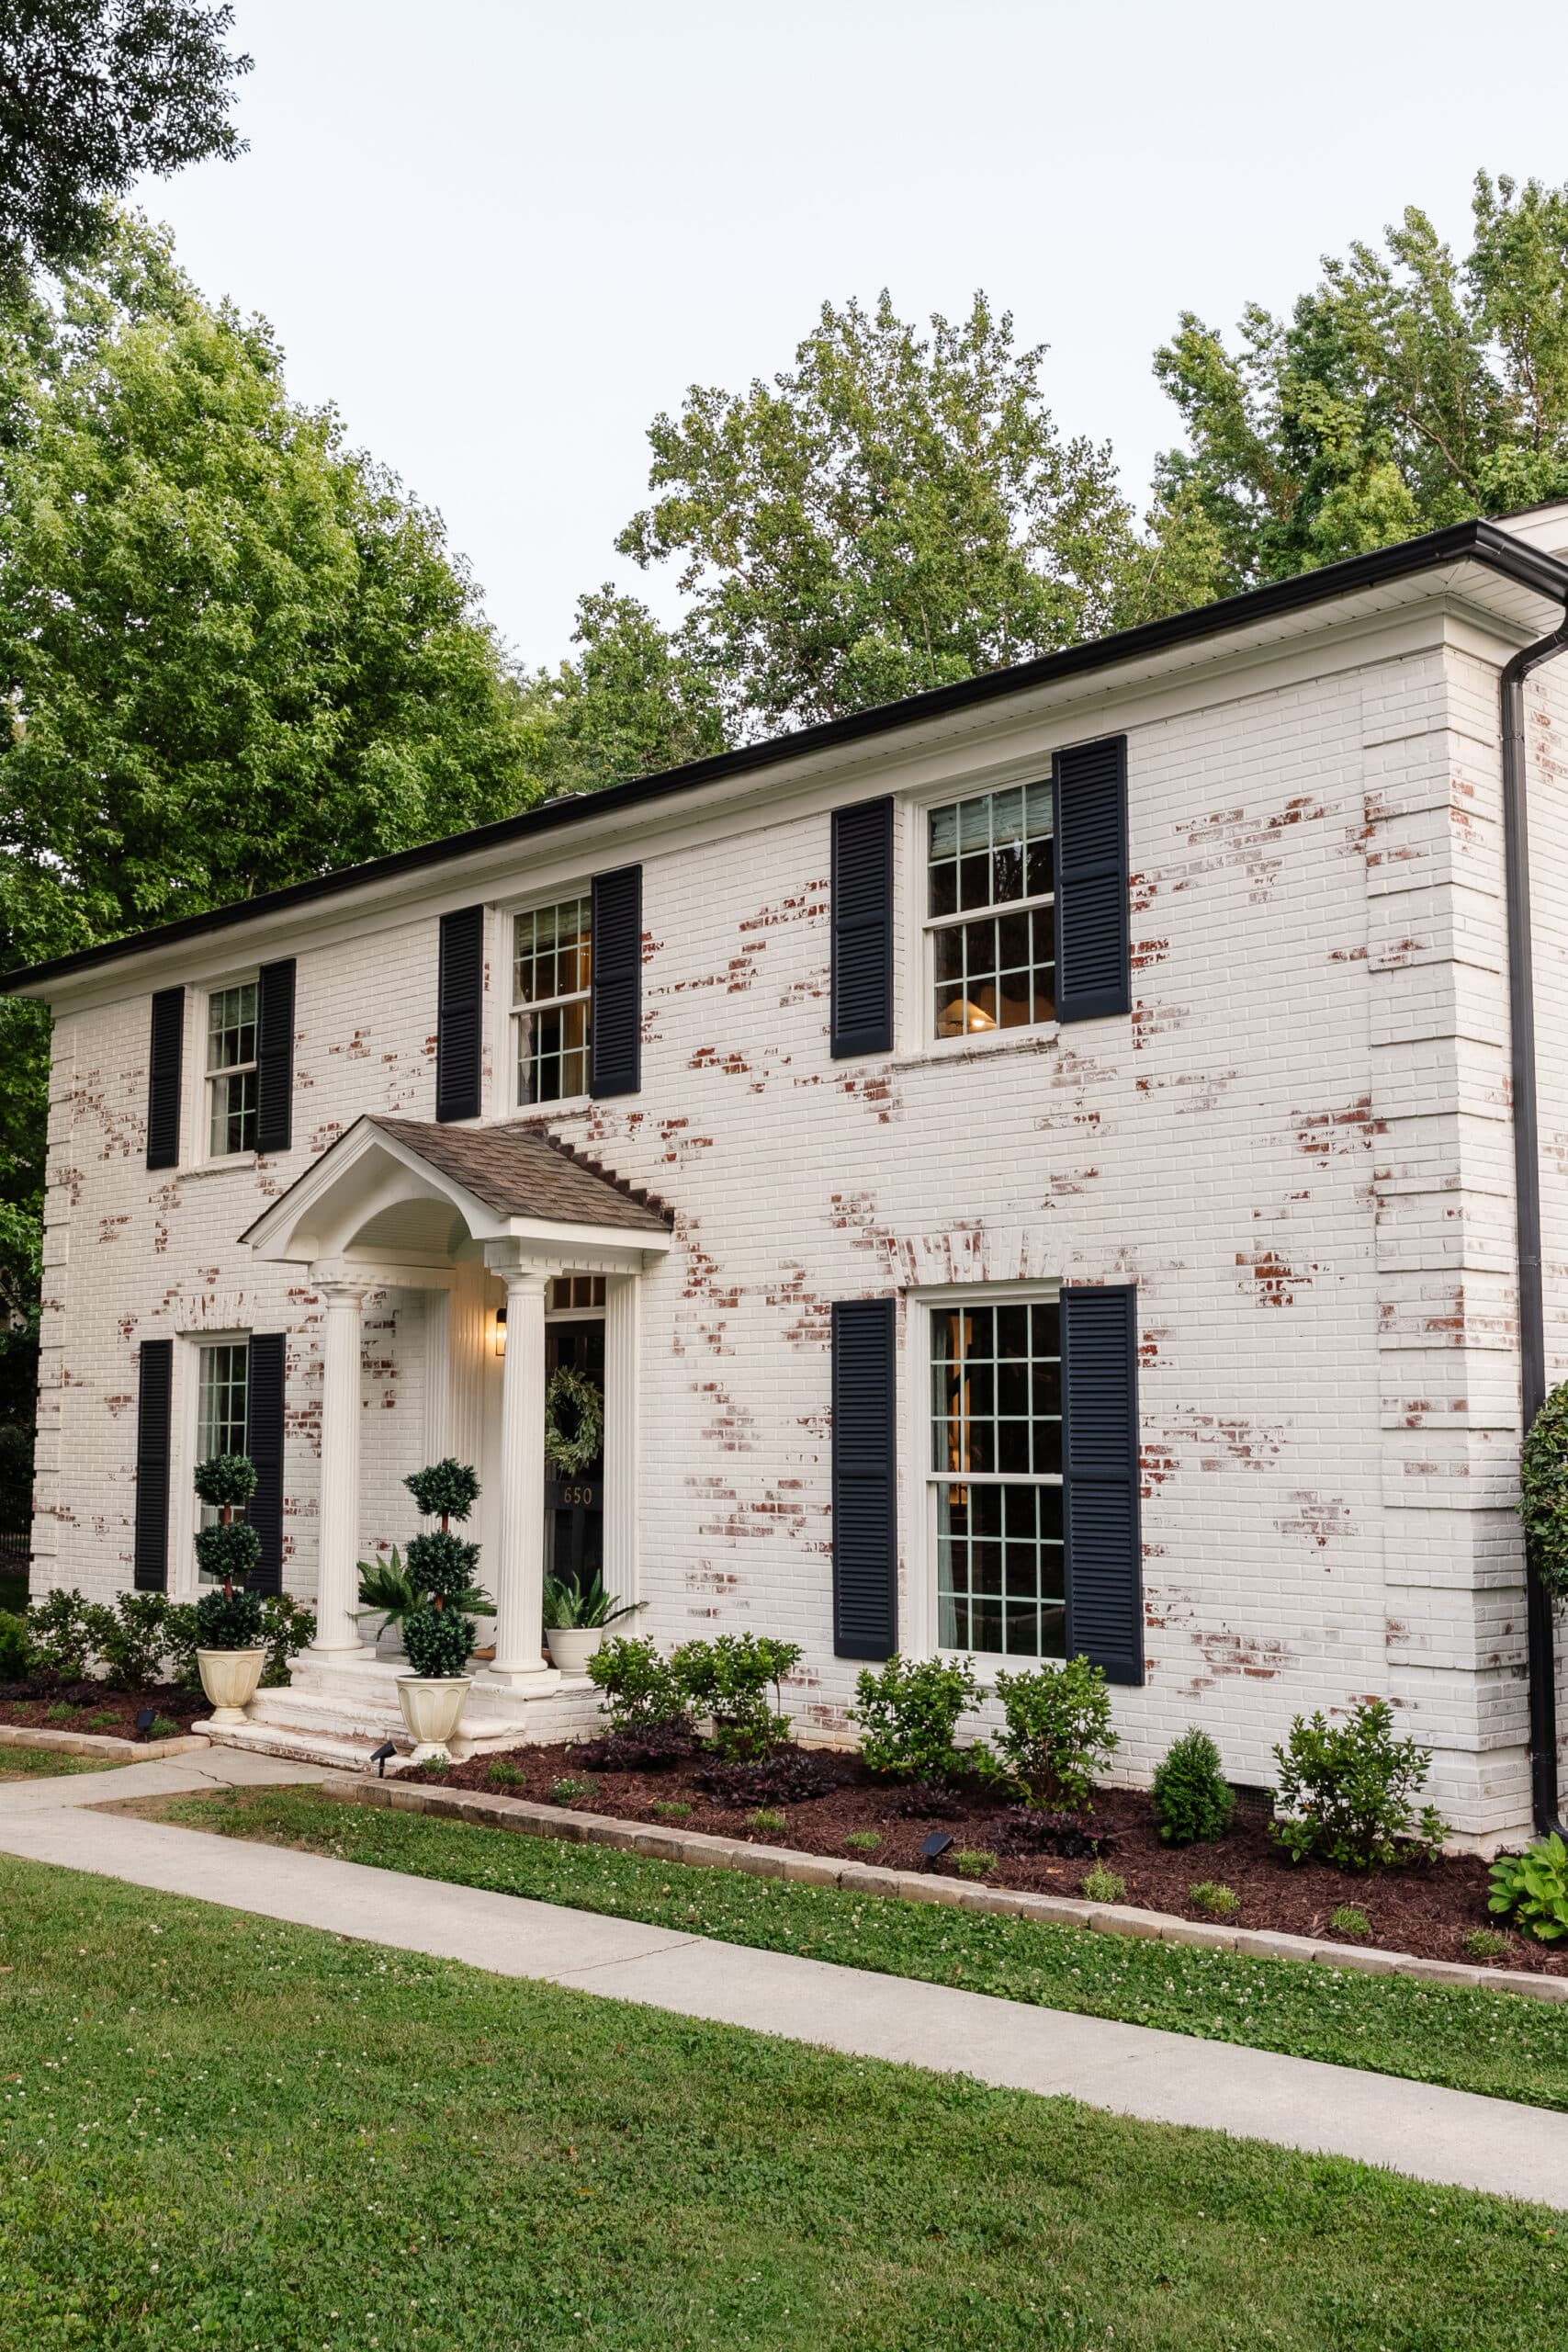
[[919, 1487], [201, 1154], [503, 1032], [918, 1041]]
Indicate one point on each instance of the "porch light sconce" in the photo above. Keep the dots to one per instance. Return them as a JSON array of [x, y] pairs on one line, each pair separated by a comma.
[[501, 1330], [936, 1845], [378, 1757]]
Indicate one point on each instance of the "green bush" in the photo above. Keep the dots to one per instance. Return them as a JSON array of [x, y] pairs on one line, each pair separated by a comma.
[[60, 1635], [1102, 1885], [229, 1552], [14, 1654], [179, 1643], [287, 1628], [131, 1639], [640, 1688], [767, 1817], [1058, 1734], [1486, 1943], [567, 1789], [910, 1713], [228, 1621], [1532, 1888], [863, 1841], [439, 1642], [1347, 1793], [975, 1862], [1349, 1919], [1543, 1491], [225, 1480], [1193, 1799], [503, 1773], [729, 1679], [1219, 1902], [447, 1489]]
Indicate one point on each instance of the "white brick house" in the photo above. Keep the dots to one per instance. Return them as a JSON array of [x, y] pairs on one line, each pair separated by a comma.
[[1252, 1127]]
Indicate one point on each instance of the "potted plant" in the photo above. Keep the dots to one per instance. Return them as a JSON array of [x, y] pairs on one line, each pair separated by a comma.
[[230, 1652], [432, 1593], [575, 1619]]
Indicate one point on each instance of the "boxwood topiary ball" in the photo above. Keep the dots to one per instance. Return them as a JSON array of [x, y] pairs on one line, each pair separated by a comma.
[[226, 1479], [450, 1486], [438, 1641]]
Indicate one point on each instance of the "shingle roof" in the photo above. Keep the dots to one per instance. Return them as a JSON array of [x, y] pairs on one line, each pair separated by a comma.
[[521, 1171]]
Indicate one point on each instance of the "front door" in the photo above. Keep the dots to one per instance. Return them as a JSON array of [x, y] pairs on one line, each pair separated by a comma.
[[574, 1502]]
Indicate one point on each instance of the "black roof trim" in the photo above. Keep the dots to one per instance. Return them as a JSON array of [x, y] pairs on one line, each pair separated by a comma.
[[1484, 541]]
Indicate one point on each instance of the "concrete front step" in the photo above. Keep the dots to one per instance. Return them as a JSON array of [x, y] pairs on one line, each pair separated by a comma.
[[337, 1713]]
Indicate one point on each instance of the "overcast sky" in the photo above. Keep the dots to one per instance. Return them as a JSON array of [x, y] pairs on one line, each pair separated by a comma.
[[502, 235]]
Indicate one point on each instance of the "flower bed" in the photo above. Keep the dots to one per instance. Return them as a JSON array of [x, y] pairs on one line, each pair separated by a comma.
[[1428, 1909], [44, 1703]]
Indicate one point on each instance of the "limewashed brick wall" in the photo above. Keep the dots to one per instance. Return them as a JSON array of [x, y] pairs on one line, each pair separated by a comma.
[[1297, 1146]]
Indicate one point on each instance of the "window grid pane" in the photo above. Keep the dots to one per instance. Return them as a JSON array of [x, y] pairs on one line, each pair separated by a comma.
[[991, 857], [231, 1069], [222, 1396], [997, 1461], [552, 962]]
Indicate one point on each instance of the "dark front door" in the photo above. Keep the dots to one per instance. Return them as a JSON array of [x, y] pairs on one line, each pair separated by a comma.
[[574, 1508]]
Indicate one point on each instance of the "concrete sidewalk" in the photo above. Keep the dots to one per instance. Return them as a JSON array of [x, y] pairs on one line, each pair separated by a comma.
[[1446, 2136]]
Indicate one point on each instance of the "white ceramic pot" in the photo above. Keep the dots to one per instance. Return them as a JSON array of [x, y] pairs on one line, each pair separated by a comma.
[[230, 1679], [432, 1708], [571, 1647]]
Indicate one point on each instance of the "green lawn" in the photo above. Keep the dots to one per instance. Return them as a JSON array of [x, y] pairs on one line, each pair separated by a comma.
[[216, 2129], [1501, 2043], [47, 1763]]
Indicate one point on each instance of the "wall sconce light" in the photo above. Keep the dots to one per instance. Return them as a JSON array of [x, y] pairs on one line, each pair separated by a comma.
[[501, 1330]]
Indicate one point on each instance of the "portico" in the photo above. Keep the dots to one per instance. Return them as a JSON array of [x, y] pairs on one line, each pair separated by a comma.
[[481, 1222]]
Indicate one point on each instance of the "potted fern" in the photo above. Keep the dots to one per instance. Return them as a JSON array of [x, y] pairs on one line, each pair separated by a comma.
[[575, 1618], [230, 1652], [432, 1595]]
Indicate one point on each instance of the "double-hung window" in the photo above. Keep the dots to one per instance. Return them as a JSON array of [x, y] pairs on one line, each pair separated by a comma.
[[231, 1069], [222, 1401], [996, 1475], [552, 949], [991, 911]]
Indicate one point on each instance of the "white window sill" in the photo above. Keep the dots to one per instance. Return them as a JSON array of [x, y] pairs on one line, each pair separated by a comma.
[[219, 1167], [1040, 1037]]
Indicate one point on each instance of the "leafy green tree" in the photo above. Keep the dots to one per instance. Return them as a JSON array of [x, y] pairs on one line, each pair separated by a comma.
[[1409, 389], [893, 512], [634, 701], [93, 93]]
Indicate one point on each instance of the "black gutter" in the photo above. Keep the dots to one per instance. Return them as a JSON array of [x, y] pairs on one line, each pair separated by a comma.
[[1481, 541], [1539, 1603]]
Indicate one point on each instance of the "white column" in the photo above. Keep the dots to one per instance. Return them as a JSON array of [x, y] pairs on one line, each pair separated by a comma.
[[620, 1435], [516, 1575], [337, 1579]]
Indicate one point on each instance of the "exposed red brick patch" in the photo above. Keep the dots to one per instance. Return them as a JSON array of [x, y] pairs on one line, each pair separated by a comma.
[[1275, 1284], [1321, 1519]]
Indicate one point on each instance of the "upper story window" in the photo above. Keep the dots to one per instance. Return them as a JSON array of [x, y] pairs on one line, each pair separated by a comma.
[[551, 955], [995, 1468], [231, 1069], [991, 911]]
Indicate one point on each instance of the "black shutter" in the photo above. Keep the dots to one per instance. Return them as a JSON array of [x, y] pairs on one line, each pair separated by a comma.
[[861, 1018], [155, 1392], [264, 1443], [614, 1048], [165, 1055], [1093, 975], [275, 1056], [1099, 1405], [865, 1463], [459, 1014]]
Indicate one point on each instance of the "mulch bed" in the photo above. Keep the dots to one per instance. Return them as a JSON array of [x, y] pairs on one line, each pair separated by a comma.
[[1428, 1909], [45, 1704]]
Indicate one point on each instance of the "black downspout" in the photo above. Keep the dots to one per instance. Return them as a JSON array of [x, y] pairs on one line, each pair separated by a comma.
[[1526, 1191]]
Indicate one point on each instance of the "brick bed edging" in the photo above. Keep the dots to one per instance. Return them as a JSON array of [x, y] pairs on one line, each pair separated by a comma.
[[93, 1742], [699, 1850]]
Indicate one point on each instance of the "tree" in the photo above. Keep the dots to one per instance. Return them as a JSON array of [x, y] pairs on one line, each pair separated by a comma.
[[93, 93], [893, 513], [1408, 391], [634, 701]]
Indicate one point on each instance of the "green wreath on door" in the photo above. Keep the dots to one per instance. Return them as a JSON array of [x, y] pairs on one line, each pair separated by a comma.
[[570, 1456]]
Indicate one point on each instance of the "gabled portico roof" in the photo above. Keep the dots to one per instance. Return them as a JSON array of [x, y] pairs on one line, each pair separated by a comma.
[[513, 1182]]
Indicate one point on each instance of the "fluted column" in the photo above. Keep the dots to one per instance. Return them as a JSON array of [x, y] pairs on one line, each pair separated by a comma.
[[337, 1582], [516, 1577]]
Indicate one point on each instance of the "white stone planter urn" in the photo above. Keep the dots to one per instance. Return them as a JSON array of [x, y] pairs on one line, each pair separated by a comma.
[[432, 1708], [571, 1647], [230, 1679]]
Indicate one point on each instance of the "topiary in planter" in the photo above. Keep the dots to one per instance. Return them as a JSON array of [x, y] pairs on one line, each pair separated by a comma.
[[228, 1620], [433, 1591], [447, 1489], [228, 1554], [438, 1642]]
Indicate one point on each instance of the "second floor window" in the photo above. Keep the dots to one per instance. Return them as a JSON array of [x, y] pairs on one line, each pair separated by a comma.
[[231, 1069], [552, 950], [991, 911]]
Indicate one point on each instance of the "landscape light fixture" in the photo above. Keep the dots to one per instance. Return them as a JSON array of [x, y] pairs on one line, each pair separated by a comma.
[[379, 1756], [936, 1844], [145, 1718]]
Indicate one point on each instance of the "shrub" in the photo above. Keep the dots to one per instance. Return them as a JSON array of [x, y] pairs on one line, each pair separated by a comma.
[[164, 1727], [640, 1690], [15, 1655], [766, 1817], [447, 1489], [1349, 1919], [503, 1773], [131, 1638], [863, 1841], [1193, 1799], [439, 1642], [659, 1748], [909, 1713], [228, 1620], [567, 1789], [1101, 1885], [1024, 1829], [229, 1552], [1543, 1491], [287, 1628], [179, 1643], [728, 1679], [60, 1635], [787, 1776], [1532, 1888], [1348, 1793], [1219, 1902], [974, 1861], [1057, 1733], [1485, 1943]]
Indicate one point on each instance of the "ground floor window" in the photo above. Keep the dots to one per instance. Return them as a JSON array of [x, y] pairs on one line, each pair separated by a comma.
[[223, 1385], [996, 1469]]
